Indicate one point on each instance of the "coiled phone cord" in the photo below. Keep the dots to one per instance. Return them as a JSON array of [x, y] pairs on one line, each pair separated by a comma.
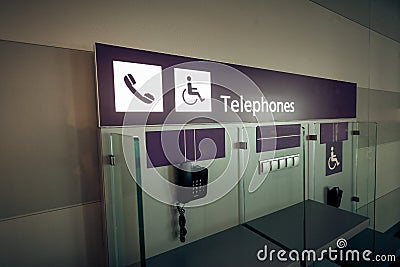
[[182, 224]]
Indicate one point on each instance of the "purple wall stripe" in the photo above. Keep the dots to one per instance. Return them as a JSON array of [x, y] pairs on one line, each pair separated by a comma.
[[333, 132], [164, 148], [168, 147], [286, 130], [264, 145], [277, 130], [342, 131], [210, 143], [265, 132], [190, 146]]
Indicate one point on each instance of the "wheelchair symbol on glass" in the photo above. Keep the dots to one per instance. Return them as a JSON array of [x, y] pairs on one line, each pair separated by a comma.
[[192, 91], [333, 162]]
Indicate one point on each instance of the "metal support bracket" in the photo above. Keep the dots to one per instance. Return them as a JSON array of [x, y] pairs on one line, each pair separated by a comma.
[[111, 160], [312, 137], [242, 145]]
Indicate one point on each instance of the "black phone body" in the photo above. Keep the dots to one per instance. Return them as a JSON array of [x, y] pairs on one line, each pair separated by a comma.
[[334, 197], [193, 180]]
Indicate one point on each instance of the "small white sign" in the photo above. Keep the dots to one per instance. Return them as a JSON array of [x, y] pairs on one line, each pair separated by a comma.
[[137, 87], [192, 90]]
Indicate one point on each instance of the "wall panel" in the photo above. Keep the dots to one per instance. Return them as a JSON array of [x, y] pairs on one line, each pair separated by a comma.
[[49, 154], [292, 36], [66, 237]]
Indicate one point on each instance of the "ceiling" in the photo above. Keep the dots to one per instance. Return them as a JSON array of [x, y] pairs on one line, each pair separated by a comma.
[[382, 16]]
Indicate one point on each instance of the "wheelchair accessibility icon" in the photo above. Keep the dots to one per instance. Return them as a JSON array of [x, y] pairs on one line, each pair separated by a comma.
[[191, 91], [333, 162]]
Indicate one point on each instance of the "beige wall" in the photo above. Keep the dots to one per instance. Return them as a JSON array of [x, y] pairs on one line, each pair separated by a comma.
[[65, 237], [292, 36], [50, 193]]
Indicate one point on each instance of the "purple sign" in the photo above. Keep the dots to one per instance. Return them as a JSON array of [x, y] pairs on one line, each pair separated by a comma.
[[334, 159], [269, 138], [174, 146], [333, 132], [137, 87]]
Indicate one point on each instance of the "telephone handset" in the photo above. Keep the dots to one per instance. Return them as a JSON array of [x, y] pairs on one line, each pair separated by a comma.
[[334, 196], [130, 82], [193, 181], [194, 177]]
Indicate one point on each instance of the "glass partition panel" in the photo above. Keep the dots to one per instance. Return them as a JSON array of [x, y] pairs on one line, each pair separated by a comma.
[[121, 199], [272, 170], [273, 184], [208, 209], [342, 178], [332, 163], [199, 229], [157, 224], [342, 164], [258, 188], [364, 147]]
